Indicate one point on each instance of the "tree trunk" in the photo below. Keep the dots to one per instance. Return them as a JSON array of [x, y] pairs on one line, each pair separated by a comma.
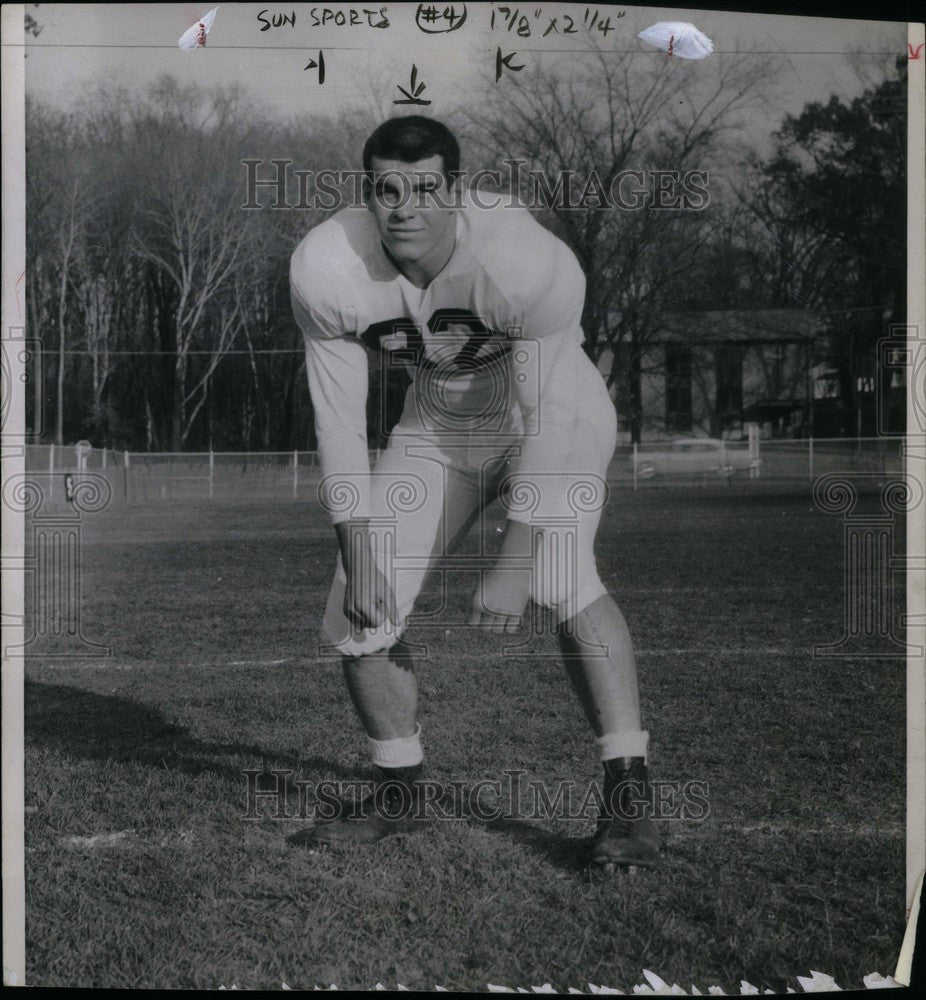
[[633, 390], [96, 406], [179, 401], [628, 369], [176, 418], [636, 392], [62, 311]]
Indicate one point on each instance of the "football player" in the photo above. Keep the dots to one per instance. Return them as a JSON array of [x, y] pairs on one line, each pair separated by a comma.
[[482, 305]]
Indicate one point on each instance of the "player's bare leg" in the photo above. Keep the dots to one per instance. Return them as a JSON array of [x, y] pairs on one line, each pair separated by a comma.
[[384, 692], [382, 683], [598, 655], [599, 660]]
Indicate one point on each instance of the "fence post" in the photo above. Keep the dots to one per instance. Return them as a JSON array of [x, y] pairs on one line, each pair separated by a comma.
[[104, 458], [211, 470], [753, 437], [295, 473], [635, 467], [125, 474], [51, 468], [810, 456]]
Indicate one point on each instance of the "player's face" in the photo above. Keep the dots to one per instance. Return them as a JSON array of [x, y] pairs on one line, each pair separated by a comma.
[[410, 202]]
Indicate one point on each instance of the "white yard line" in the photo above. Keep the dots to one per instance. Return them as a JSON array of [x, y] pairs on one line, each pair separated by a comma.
[[891, 830], [251, 663], [688, 651], [105, 663]]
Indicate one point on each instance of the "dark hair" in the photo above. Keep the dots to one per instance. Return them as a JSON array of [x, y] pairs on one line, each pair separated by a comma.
[[411, 138]]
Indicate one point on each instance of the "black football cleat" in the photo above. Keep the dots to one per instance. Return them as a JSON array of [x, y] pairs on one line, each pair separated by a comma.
[[398, 804], [626, 836]]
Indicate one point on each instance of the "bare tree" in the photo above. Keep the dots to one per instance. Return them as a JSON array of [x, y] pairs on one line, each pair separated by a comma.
[[42, 126], [588, 124], [195, 233], [57, 192]]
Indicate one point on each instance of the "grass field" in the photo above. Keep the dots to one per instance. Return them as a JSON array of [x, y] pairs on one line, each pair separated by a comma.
[[143, 871]]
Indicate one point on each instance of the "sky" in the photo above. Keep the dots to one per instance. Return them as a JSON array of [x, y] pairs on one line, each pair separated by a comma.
[[80, 44]]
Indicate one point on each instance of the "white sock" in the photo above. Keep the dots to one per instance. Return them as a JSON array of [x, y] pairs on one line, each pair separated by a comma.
[[406, 751], [632, 744]]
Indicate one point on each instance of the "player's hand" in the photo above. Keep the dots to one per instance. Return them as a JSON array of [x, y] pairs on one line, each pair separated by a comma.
[[500, 600], [368, 597]]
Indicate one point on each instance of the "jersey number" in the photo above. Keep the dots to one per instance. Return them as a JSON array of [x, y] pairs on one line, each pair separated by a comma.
[[402, 339]]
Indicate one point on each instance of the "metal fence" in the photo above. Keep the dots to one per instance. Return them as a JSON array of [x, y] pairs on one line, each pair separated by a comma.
[[152, 477], [814, 457]]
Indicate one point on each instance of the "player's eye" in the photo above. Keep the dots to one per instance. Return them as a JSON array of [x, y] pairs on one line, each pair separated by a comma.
[[426, 187], [388, 193], [384, 194]]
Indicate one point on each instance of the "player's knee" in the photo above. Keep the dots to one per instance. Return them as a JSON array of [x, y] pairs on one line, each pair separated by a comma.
[[352, 643], [565, 575], [397, 651], [566, 598], [369, 642]]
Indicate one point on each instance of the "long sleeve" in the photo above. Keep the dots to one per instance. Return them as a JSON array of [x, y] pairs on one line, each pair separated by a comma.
[[338, 383], [336, 364]]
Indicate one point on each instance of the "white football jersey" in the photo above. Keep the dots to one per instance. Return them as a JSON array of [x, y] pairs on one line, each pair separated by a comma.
[[506, 271], [508, 279]]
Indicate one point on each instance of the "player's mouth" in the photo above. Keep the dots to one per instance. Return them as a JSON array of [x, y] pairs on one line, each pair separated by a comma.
[[403, 234]]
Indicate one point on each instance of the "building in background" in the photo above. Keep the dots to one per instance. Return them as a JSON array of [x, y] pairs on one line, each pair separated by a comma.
[[711, 374]]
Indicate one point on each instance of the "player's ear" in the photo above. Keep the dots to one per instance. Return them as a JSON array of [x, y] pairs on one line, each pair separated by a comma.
[[366, 187]]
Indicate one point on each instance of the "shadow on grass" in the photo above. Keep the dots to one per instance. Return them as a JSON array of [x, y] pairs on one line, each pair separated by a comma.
[[570, 854], [567, 853], [106, 727]]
